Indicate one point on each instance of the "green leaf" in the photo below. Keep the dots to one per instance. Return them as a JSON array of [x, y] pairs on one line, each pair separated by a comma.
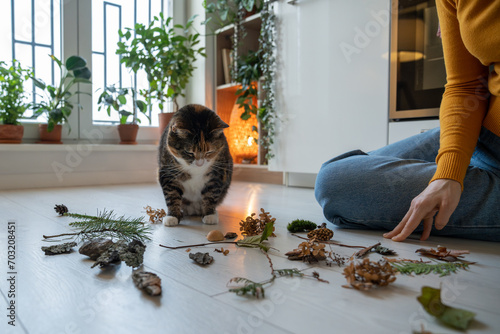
[[454, 317], [267, 232], [141, 105], [54, 58], [122, 99], [39, 83], [252, 241], [75, 62], [83, 73]]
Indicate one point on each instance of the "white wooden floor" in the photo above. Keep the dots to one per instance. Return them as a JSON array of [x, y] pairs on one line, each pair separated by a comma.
[[61, 294]]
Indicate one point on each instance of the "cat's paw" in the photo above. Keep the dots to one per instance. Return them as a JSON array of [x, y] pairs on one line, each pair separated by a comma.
[[170, 221], [211, 219]]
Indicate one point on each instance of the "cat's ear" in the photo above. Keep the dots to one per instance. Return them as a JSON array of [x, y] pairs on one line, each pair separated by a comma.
[[183, 133], [219, 128]]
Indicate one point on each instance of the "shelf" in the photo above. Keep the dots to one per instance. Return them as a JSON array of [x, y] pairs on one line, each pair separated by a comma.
[[252, 22]]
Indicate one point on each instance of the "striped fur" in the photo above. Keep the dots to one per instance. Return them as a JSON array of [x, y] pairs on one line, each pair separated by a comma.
[[195, 166]]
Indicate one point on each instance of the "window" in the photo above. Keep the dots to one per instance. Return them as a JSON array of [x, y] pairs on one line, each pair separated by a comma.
[[30, 34], [37, 28], [107, 18]]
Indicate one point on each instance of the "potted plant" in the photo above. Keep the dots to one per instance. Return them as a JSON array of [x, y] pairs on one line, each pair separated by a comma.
[[167, 55], [56, 104], [113, 98], [12, 101]]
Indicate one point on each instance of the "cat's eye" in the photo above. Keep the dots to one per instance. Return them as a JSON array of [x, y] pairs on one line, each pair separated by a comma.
[[188, 153]]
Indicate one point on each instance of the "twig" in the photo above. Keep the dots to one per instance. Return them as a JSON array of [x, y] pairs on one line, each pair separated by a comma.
[[364, 251], [199, 245], [59, 235], [330, 242], [270, 263]]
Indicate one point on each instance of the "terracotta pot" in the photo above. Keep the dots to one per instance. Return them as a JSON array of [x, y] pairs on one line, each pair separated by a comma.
[[128, 133], [11, 134], [163, 120], [52, 137]]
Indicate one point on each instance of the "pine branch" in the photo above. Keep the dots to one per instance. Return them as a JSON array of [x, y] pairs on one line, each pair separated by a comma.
[[418, 268], [107, 225]]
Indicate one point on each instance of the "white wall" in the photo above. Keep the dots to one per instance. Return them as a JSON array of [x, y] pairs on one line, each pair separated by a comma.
[[333, 80]]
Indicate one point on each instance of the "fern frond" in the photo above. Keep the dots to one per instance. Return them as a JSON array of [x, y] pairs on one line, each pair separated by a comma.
[[419, 268], [246, 287], [288, 272]]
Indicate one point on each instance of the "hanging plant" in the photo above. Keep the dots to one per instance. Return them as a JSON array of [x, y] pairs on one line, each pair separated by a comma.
[[267, 110]]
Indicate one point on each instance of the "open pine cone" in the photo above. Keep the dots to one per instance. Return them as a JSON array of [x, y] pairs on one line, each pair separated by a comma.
[[321, 234]]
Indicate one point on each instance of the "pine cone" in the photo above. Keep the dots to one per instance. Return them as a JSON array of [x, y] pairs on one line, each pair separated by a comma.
[[61, 209], [321, 234]]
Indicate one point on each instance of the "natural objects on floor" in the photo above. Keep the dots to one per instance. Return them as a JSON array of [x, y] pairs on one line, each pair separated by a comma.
[[59, 249], [451, 316], [155, 215], [321, 234], [409, 267], [377, 248], [230, 235], [253, 226], [367, 274], [61, 209], [442, 253], [215, 235], [201, 258], [107, 225], [106, 252], [301, 225], [147, 281], [222, 250]]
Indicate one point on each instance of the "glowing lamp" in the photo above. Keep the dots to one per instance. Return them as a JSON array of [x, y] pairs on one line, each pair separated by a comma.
[[241, 137]]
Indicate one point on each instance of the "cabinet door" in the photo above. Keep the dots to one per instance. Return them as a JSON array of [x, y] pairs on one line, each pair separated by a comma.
[[333, 80]]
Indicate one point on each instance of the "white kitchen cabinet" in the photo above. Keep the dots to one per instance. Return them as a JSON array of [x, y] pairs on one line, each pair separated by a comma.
[[332, 80]]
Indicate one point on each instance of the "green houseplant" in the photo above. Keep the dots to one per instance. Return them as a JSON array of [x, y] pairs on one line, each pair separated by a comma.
[[115, 99], [12, 101], [166, 53], [56, 104]]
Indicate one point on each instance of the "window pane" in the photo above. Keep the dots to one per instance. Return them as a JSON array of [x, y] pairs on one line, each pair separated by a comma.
[[108, 16], [32, 28]]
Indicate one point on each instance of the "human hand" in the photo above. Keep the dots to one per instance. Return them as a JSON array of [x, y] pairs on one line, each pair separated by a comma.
[[441, 196]]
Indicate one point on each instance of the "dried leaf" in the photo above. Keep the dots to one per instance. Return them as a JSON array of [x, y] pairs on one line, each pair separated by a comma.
[[441, 253], [454, 317]]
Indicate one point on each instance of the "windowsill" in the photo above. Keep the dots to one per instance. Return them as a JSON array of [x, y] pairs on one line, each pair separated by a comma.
[[77, 146]]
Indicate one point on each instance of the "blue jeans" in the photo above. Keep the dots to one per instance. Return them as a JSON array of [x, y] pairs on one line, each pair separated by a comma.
[[374, 190]]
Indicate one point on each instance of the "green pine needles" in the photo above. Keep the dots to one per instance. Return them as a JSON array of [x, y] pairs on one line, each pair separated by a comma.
[[107, 225], [419, 268]]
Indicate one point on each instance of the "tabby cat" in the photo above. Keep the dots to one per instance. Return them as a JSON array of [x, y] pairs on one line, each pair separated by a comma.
[[195, 164]]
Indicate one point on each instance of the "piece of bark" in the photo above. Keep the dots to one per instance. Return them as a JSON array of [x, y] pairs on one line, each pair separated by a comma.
[[148, 282], [59, 249], [95, 247], [359, 254], [201, 258]]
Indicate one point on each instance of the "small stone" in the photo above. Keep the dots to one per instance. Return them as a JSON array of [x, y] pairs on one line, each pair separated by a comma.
[[59, 249], [201, 258], [147, 281], [215, 235], [230, 235]]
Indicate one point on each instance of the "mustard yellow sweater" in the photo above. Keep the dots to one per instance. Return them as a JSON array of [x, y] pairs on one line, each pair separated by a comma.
[[470, 31]]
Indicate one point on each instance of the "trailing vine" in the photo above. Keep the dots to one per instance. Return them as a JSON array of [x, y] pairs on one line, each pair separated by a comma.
[[267, 111]]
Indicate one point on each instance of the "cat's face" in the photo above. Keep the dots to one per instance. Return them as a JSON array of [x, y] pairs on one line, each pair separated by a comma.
[[195, 136]]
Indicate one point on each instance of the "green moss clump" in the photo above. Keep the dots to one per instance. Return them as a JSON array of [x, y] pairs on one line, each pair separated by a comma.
[[301, 225]]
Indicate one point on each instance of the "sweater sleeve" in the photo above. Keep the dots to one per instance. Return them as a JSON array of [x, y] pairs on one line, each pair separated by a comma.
[[464, 102]]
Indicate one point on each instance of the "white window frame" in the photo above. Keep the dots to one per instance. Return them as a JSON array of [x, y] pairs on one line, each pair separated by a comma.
[[76, 30]]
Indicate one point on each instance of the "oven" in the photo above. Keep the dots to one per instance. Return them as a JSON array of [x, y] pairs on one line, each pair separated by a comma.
[[417, 71]]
